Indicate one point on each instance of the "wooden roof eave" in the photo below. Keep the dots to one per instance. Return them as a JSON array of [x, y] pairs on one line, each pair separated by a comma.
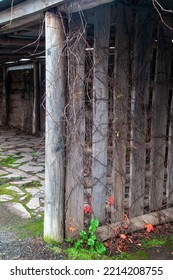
[[31, 8]]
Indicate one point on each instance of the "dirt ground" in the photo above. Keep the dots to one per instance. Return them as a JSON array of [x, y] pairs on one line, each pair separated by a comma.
[[136, 241]]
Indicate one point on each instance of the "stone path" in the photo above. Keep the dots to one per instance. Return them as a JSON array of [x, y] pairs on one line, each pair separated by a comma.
[[22, 173]]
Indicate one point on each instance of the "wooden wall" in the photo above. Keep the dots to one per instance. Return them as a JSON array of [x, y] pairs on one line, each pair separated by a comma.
[[1, 94], [124, 163]]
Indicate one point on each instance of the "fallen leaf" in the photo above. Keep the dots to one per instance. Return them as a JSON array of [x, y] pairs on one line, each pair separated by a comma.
[[126, 217], [110, 200], [107, 244], [72, 229], [123, 236], [149, 227], [125, 226]]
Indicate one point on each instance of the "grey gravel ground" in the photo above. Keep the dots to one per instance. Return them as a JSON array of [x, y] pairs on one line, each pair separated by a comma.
[[14, 248]]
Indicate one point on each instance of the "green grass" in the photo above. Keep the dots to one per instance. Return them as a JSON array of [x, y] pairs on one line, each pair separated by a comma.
[[8, 180], [31, 228], [84, 254], [33, 184], [139, 255], [142, 254], [9, 160], [156, 241], [169, 241]]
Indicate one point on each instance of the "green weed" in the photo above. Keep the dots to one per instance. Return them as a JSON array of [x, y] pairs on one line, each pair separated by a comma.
[[9, 160]]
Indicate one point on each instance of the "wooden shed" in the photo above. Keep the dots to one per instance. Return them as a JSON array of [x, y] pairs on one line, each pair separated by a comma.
[[108, 127]]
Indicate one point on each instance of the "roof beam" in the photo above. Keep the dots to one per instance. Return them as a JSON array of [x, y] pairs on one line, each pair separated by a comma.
[[31, 7], [21, 42], [27, 8], [20, 23], [78, 5]]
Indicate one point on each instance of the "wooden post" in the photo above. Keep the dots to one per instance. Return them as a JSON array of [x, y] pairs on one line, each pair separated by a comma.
[[120, 103], [35, 101], [54, 160], [139, 99], [169, 182], [74, 195], [159, 116], [100, 110]]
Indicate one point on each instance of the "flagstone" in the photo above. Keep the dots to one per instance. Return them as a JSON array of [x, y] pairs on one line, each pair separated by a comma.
[[18, 209], [16, 189], [3, 172], [25, 158], [5, 197], [32, 191], [33, 203], [31, 168], [22, 198]]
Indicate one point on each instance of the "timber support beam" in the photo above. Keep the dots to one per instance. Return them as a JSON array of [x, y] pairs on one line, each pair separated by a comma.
[[54, 160]]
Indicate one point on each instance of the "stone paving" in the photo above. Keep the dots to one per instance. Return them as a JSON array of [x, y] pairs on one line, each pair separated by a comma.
[[22, 174]]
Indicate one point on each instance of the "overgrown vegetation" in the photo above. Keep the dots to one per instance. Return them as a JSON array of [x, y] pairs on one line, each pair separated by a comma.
[[135, 246]]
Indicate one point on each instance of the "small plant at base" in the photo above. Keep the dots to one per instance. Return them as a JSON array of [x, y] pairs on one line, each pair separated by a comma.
[[90, 239]]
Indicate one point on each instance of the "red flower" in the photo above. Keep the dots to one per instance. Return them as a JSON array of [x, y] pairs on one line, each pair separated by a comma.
[[87, 209], [111, 200]]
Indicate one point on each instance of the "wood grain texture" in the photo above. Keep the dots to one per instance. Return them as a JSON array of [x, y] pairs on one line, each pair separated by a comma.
[[100, 110], [139, 102], [54, 149], [74, 195], [120, 111], [159, 117], [169, 183], [134, 224]]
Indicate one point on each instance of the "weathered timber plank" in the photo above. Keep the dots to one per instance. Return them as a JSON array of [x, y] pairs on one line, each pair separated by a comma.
[[169, 183], [4, 97], [35, 101], [120, 103], [32, 7], [134, 224], [100, 110], [79, 5], [54, 149], [25, 9], [22, 23], [74, 195], [139, 99], [159, 117]]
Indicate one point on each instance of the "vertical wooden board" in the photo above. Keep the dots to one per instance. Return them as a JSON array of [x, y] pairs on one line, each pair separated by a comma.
[[139, 97], [100, 110], [169, 182], [74, 195], [159, 116], [35, 101], [4, 97], [1, 93], [54, 149], [120, 110]]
